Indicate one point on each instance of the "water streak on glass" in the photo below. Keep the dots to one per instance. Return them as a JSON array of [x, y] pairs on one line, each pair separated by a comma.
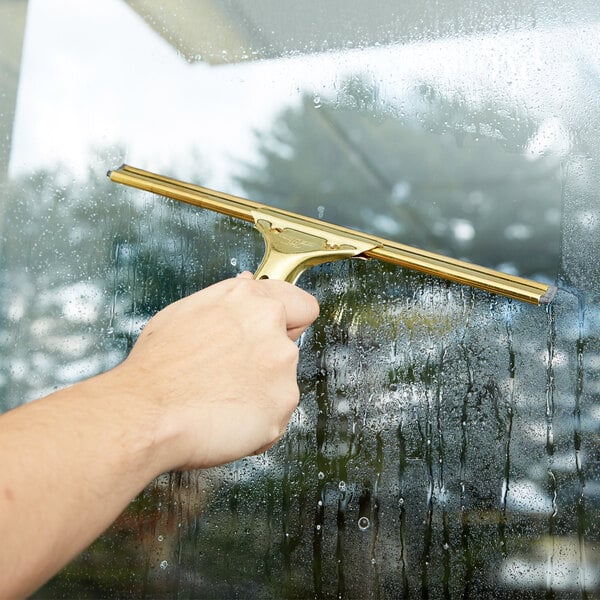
[[577, 442], [550, 412], [510, 409]]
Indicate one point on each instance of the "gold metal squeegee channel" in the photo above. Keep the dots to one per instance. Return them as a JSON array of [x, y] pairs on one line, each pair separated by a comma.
[[347, 242]]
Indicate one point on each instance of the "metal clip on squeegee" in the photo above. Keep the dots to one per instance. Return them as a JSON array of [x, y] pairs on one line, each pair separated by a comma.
[[294, 243]]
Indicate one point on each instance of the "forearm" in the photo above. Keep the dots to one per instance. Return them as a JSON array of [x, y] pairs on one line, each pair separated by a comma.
[[70, 464], [211, 378]]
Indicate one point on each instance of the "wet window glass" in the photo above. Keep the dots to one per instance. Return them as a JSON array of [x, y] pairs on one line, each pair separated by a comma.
[[447, 443]]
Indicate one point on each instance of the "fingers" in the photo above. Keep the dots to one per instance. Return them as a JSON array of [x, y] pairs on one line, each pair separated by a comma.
[[301, 308]]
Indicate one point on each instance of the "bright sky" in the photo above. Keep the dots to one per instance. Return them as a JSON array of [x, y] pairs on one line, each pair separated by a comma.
[[94, 75]]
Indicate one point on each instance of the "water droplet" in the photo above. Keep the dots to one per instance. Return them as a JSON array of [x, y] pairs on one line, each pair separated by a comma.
[[364, 523], [320, 211], [317, 101], [164, 564], [342, 486], [233, 262], [321, 475], [160, 538]]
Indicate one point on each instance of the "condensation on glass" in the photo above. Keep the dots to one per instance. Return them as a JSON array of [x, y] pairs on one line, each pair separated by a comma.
[[447, 442]]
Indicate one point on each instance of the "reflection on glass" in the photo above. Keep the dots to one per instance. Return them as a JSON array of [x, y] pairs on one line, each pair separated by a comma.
[[447, 442]]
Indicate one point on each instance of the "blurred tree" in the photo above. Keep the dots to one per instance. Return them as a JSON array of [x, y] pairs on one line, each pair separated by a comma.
[[85, 264], [418, 400], [446, 176]]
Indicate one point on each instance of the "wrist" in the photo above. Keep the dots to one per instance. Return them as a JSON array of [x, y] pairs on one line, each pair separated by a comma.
[[137, 432], [152, 418]]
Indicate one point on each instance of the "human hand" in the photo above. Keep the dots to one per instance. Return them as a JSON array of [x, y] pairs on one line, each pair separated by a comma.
[[211, 378], [217, 370]]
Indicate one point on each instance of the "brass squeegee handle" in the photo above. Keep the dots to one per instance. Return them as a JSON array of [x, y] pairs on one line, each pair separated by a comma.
[[294, 242]]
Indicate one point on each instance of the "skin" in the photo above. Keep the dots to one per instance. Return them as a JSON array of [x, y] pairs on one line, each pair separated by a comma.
[[212, 378]]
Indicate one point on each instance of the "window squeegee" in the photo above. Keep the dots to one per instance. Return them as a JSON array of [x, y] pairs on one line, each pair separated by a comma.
[[294, 243]]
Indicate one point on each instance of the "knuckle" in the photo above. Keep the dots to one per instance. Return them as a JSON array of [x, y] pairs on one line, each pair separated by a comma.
[[272, 317], [276, 310], [289, 352], [288, 403]]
